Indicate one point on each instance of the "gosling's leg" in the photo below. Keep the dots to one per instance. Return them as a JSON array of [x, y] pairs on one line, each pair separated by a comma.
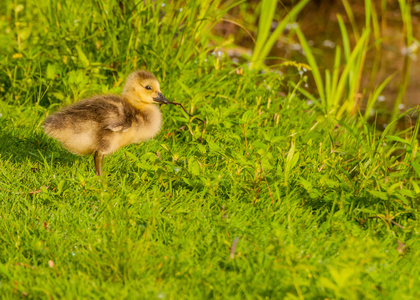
[[99, 158]]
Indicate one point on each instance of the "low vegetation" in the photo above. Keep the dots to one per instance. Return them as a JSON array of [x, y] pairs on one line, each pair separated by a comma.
[[278, 200]]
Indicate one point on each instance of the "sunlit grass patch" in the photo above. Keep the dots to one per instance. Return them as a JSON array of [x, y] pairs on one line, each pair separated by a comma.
[[277, 201]]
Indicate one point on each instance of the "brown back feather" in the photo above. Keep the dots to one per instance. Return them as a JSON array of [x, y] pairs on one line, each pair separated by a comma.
[[106, 110]]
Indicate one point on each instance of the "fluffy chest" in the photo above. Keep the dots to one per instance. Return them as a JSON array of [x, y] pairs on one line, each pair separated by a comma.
[[145, 126]]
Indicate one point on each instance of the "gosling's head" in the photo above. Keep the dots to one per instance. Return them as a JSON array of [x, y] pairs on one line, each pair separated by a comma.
[[143, 88]]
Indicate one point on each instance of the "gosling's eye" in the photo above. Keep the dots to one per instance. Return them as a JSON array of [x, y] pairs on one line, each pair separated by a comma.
[[148, 87]]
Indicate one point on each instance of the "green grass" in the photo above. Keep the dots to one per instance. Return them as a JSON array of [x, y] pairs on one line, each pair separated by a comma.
[[277, 202]]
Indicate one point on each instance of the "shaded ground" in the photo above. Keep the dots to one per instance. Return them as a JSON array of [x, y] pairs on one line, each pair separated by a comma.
[[319, 23]]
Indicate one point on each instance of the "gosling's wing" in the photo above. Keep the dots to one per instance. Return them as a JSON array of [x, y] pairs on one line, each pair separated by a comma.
[[118, 128], [120, 116], [109, 112]]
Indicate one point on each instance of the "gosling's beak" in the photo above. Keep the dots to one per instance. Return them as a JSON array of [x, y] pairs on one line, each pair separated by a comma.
[[160, 99]]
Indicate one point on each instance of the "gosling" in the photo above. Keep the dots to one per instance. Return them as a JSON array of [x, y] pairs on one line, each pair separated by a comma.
[[105, 123]]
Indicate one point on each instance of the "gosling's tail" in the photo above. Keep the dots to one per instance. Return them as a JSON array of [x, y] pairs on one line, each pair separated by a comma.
[[53, 125]]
